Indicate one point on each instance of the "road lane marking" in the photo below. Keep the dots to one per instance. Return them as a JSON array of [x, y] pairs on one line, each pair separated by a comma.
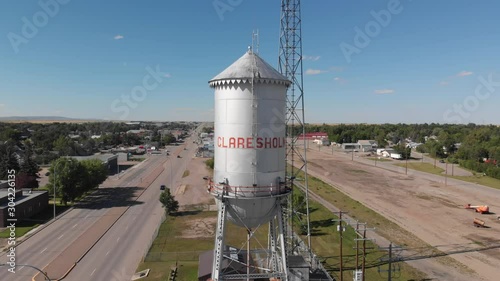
[[107, 253], [43, 250], [20, 268], [93, 271], [118, 239], [87, 216], [74, 225], [60, 237]]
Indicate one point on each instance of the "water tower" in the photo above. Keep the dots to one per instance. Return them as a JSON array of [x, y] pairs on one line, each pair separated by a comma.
[[249, 182]]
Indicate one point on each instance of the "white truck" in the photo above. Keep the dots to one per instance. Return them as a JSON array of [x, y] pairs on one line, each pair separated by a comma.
[[396, 156]]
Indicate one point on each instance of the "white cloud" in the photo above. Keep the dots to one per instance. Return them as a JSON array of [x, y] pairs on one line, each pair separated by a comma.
[[314, 71], [444, 83], [167, 75], [313, 58], [340, 80], [384, 91], [464, 73], [118, 37]]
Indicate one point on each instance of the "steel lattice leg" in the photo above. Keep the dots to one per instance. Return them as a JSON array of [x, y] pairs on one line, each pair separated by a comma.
[[272, 240], [219, 241], [284, 257]]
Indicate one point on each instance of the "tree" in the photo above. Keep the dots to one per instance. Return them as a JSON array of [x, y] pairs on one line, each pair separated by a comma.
[[64, 146], [210, 163], [28, 172], [168, 202], [404, 151], [95, 173], [69, 178], [8, 160]]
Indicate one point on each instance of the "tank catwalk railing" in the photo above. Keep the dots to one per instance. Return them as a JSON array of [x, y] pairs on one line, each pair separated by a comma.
[[248, 191]]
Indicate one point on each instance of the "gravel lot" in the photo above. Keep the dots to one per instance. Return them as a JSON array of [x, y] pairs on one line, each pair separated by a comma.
[[422, 204]]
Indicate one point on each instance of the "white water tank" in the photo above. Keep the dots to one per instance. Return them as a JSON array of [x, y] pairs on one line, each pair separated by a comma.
[[249, 138]]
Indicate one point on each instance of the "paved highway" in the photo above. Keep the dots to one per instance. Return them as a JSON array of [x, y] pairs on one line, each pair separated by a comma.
[[116, 256], [40, 249]]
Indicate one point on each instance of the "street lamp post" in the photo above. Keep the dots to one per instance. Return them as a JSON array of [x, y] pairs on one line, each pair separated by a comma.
[[54, 185], [44, 274]]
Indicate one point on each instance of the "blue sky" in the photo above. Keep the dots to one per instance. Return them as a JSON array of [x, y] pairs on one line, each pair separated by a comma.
[[430, 62]]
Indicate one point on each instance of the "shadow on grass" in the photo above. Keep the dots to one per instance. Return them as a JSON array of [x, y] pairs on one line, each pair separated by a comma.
[[186, 213]]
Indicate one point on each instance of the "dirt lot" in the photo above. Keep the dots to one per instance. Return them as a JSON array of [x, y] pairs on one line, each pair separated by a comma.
[[193, 188], [421, 204]]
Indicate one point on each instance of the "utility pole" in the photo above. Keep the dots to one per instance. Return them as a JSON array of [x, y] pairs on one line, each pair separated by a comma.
[[390, 261], [452, 165], [446, 174], [406, 170], [361, 233], [340, 229], [364, 255]]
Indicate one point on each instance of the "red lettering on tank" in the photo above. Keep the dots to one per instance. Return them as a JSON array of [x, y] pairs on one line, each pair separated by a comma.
[[268, 143], [249, 142], [219, 141], [241, 143], [259, 143], [275, 142], [232, 142]]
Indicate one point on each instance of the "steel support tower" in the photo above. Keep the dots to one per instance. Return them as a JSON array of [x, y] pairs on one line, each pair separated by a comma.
[[290, 65]]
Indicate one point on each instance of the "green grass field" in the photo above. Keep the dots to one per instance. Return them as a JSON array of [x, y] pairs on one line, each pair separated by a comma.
[[429, 168], [423, 167], [379, 160], [169, 247]]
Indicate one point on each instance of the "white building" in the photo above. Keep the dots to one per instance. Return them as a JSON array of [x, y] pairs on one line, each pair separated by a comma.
[[385, 152], [367, 145], [321, 142]]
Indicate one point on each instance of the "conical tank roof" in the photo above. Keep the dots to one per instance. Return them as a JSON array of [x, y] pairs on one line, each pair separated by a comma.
[[249, 66]]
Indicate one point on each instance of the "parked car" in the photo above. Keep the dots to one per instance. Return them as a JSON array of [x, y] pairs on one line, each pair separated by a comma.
[[205, 177], [441, 161], [178, 156], [162, 187]]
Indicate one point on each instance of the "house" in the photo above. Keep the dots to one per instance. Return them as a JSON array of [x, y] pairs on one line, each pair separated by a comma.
[[350, 146], [321, 142], [413, 145], [313, 136], [140, 132], [367, 145]]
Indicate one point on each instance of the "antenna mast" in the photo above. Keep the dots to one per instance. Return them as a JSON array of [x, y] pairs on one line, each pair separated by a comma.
[[290, 65]]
